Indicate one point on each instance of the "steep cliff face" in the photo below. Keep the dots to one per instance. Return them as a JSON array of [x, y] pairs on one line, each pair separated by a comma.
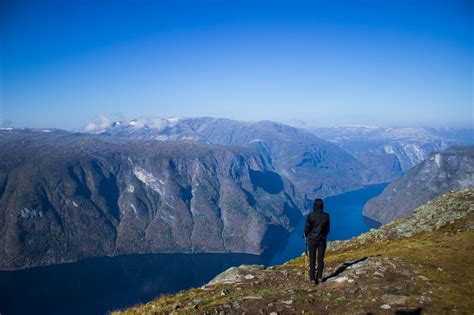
[[441, 172], [316, 167], [65, 197]]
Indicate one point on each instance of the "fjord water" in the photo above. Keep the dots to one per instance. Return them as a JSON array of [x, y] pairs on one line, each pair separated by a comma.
[[346, 220], [98, 285]]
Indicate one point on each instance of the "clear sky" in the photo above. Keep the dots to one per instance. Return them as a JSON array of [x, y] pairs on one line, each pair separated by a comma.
[[390, 63]]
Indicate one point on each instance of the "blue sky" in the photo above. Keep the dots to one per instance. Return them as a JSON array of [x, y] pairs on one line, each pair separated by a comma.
[[390, 63]]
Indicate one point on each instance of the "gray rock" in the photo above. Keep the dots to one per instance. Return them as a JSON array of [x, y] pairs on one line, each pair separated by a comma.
[[393, 299], [378, 274], [234, 274], [252, 297], [224, 292], [352, 290]]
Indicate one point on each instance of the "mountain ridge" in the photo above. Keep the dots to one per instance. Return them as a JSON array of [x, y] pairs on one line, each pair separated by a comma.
[[302, 157], [392, 151], [66, 197], [440, 172]]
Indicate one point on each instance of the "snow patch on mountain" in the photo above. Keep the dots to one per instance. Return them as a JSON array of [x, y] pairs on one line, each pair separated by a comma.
[[104, 124], [148, 179], [134, 209], [388, 149]]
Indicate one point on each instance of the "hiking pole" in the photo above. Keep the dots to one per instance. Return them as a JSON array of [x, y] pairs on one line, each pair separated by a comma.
[[306, 275]]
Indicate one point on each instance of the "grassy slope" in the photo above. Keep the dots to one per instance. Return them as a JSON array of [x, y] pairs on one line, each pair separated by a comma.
[[445, 256], [446, 248]]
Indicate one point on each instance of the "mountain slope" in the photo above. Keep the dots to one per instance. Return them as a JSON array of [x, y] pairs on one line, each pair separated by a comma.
[[65, 197], [419, 264], [449, 170], [316, 167], [388, 152]]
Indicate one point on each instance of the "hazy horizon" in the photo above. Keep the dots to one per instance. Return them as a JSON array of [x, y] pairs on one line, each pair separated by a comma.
[[104, 121], [321, 63]]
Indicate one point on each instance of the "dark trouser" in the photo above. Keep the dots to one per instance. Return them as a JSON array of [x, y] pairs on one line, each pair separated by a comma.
[[320, 246]]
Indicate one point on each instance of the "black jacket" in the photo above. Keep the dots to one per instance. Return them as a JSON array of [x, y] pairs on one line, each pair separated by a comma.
[[317, 225]]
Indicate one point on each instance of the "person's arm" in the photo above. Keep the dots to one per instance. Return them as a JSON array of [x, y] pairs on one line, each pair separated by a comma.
[[307, 226]]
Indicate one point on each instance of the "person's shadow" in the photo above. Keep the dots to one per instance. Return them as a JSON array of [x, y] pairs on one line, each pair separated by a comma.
[[343, 267]]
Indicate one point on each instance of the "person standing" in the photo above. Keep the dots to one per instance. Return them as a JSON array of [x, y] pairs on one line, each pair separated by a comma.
[[316, 231]]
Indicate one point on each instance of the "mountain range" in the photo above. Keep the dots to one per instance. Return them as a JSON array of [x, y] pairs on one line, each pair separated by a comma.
[[185, 185], [315, 166], [66, 196], [392, 151]]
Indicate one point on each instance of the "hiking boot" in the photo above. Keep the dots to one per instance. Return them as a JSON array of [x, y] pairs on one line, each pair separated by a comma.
[[314, 282]]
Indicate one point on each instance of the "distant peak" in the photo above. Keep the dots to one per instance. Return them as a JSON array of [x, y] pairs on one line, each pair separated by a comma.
[[158, 123]]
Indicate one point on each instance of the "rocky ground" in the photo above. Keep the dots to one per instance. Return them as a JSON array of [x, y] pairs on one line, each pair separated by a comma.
[[420, 264]]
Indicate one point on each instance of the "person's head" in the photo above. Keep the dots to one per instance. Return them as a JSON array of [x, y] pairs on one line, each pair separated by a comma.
[[318, 205]]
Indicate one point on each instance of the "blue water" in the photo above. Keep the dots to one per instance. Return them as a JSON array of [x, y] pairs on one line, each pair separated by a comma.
[[98, 285], [346, 219]]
